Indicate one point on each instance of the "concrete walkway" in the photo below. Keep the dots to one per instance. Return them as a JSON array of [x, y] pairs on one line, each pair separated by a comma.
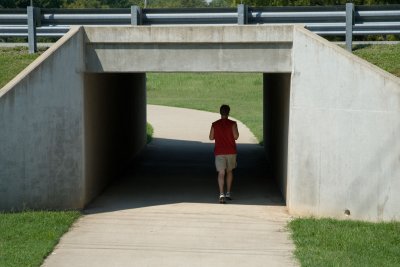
[[163, 211]]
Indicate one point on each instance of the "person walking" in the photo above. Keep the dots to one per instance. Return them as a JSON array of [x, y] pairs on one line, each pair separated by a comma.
[[225, 131]]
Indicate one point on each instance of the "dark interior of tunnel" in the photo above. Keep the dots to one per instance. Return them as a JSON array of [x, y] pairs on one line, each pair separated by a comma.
[[119, 165]]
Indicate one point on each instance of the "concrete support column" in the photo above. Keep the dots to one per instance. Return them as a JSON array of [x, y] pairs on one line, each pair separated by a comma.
[[115, 126], [276, 124]]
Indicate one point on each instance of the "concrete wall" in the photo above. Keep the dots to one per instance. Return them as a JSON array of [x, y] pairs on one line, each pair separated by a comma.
[[276, 123], [189, 49], [344, 146], [115, 125], [41, 136]]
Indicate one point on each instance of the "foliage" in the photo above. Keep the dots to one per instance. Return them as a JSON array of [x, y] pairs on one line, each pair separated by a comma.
[[150, 131], [328, 242], [311, 2], [84, 4], [181, 3], [221, 3], [26, 238], [101, 3]]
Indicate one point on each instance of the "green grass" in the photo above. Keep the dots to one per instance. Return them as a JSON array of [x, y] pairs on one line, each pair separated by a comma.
[[150, 132], [328, 242], [26, 238], [207, 91], [13, 61], [386, 57]]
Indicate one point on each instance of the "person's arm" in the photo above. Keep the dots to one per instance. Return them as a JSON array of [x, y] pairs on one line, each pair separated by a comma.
[[212, 133], [235, 131]]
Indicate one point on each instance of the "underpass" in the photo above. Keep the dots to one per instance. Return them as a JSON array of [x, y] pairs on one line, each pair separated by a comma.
[[78, 113]]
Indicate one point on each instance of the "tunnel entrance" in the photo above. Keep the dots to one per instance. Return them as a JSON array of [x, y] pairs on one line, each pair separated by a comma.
[[171, 169]]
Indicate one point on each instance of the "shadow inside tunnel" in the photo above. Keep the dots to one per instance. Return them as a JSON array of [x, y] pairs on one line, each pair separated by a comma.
[[176, 171]]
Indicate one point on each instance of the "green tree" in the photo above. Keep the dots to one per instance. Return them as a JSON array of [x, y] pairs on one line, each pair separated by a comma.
[[220, 3], [177, 3], [25, 3], [84, 4]]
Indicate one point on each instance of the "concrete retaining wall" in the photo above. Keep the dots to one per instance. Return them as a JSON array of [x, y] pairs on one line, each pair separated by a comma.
[[41, 136], [344, 146]]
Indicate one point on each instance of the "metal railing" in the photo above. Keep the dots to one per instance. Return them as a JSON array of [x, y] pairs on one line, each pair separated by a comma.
[[348, 20]]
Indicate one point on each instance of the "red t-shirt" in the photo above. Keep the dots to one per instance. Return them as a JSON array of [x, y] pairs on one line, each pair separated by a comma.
[[223, 134]]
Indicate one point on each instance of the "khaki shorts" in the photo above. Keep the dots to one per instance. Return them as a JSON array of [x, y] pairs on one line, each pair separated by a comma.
[[225, 162]]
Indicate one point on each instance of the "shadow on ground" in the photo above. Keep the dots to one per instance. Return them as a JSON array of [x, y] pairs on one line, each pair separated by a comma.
[[176, 171]]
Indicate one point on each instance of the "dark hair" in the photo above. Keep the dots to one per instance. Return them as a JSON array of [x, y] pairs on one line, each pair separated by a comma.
[[224, 110]]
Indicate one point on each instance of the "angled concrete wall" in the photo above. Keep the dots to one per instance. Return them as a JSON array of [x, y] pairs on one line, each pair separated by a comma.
[[344, 146], [41, 136]]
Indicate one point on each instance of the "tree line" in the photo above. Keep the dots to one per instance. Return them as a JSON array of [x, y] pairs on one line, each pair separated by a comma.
[[180, 3]]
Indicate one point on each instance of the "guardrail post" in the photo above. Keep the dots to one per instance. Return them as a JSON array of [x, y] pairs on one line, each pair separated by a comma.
[[136, 15], [242, 14], [349, 25], [33, 22]]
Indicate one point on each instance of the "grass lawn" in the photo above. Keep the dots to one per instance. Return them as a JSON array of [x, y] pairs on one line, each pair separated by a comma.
[[207, 91], [327, 242], [386, 57], [13, 61], [26, 238]]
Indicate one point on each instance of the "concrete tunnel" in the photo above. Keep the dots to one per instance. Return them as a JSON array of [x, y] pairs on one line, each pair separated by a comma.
[[314, 121], [115, 124]]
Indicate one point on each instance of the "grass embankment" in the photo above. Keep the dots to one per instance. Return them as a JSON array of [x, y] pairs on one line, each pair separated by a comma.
[[327, 242], [386, 57], [13, 61], [318, 242], [26, 238]]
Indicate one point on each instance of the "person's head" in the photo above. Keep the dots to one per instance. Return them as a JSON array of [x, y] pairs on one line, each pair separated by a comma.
[[224, 110]]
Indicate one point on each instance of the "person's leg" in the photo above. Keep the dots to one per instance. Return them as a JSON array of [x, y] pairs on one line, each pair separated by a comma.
[[229, 179], [231, 164], [221, 181]]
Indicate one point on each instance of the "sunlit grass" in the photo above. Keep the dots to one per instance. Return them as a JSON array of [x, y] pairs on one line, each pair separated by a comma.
[[13, 61], [26, 238], [386, 57], [328, 242], [207, 91]]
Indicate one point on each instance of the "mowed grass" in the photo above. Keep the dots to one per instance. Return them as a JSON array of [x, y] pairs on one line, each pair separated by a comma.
[[13, 61], [328, 242], [319, 242], [386, 57], [207, 91], [26, 238]]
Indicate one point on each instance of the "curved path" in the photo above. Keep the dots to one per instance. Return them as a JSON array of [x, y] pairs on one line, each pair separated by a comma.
[[163, 211]]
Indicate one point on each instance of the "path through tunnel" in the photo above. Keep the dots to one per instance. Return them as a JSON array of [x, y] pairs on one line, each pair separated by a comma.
[[178, 165]]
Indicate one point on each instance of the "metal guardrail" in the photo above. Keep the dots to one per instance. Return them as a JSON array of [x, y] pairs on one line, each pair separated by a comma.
[[345, 20]]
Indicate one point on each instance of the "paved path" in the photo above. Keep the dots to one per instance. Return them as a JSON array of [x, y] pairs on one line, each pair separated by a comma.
[[164, 210]]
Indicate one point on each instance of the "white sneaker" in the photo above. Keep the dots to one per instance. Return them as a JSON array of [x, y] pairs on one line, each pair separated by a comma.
[[222, 199]]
